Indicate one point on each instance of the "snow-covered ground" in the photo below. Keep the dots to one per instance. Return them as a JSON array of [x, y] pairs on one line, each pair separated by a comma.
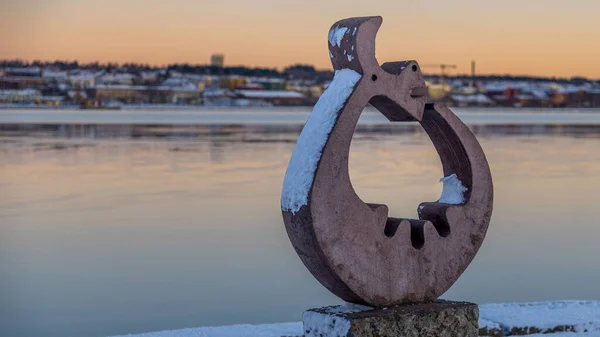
[[242, 330], [577, 318]]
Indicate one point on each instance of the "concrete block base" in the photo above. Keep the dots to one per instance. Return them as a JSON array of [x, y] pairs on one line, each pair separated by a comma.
[[435, 319]]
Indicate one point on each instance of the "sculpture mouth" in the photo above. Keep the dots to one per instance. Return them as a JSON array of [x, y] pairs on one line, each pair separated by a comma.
[[430, 214], [417, 230], [418, 92]]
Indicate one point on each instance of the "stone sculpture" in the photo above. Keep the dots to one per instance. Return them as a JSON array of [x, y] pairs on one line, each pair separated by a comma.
[[353, 248]]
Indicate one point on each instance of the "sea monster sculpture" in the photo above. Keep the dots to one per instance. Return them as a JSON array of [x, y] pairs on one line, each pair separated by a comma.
[[353, 248]]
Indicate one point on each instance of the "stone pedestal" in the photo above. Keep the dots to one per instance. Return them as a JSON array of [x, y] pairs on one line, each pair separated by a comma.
[[435, 319]]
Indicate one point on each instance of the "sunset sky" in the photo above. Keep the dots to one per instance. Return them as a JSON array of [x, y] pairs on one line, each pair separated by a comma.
[[529, 37]]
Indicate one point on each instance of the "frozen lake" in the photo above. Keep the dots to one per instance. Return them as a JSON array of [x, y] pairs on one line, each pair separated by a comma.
[[115, 222], [279, 116]]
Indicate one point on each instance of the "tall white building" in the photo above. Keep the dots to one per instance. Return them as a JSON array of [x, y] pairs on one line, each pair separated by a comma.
[[217, 60]]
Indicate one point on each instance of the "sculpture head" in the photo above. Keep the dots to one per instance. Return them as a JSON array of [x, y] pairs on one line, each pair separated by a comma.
[[353, 248]]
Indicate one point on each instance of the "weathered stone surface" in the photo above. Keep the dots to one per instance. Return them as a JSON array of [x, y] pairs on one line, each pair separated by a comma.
[[434, 319]]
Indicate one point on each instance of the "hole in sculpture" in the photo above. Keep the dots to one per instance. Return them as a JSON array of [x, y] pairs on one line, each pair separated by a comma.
[[395, 165], [399, 167], [414, 67], [374, 77]]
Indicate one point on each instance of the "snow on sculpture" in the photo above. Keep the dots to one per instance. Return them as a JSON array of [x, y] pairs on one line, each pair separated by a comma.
[[299, 176], [353, 248]]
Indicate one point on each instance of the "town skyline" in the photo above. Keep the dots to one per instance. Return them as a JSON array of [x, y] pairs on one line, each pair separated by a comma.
[[255, 71], [461, 70], [535, 38]]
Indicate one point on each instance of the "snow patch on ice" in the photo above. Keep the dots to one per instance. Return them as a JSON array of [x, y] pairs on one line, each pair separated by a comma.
[[569, 334], [336, 35], [241, 330], [330, 55], [453, 190], [584, 315], [309, 147]]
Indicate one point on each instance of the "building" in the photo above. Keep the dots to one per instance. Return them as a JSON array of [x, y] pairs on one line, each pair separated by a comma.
[[217, 60], [569, 96], [122, 93], [21, 78], [533, 98], [23, 72], [232, 82], [83, 79], [56, 76], [149, 77], [311, 92], [118, 78], [19, 96], [218, 97], [144, 94], [504, 94], [271, 83], [189, 94], [592, 98], [52, 100], [251, 86], [77, 96]]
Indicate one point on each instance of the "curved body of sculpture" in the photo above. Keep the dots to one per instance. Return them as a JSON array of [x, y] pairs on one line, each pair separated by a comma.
[[353, 248]]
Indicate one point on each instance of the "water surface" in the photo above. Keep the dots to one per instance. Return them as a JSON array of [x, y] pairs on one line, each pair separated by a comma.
[[107, 230]]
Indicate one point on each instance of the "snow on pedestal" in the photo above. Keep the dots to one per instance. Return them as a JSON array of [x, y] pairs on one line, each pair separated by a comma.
[[328, 321]]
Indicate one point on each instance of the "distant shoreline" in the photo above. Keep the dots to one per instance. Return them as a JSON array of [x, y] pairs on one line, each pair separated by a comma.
[[131, 107]]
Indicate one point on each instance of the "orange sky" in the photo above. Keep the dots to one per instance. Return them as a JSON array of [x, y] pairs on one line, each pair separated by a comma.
[[533, 37]]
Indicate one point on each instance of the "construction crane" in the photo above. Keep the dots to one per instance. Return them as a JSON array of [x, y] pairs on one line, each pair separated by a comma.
[[443, 68]]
